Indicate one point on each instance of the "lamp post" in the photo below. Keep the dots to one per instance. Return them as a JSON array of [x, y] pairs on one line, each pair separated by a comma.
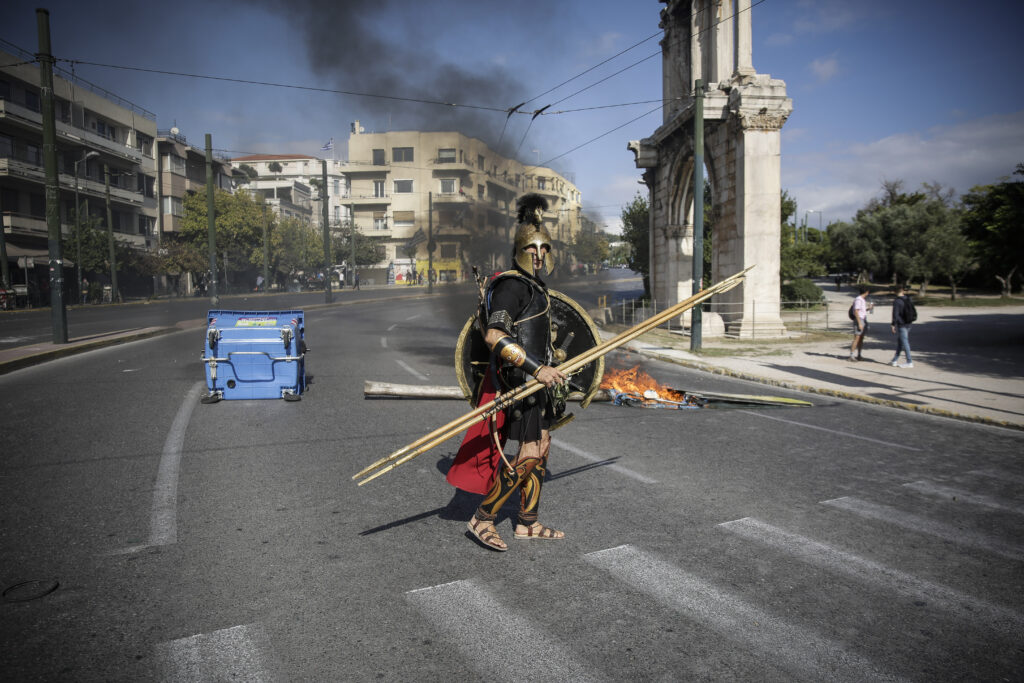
[[78, 224]]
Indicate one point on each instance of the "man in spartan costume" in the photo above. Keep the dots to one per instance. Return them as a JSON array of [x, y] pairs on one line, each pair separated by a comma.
[[517, 330]]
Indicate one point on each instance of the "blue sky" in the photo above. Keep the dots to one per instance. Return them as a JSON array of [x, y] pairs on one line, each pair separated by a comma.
[[882, 90]]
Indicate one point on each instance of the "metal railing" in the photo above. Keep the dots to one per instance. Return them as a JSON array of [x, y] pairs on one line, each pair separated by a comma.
[[796, 316]]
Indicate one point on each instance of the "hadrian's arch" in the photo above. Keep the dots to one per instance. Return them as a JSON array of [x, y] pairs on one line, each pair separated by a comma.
[[710, 40]]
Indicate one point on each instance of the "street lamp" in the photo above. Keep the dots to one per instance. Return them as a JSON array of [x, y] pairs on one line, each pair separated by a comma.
[[78, 223]]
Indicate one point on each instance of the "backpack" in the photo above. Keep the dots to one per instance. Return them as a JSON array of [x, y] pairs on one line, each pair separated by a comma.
[[853, 314], [909, 312]]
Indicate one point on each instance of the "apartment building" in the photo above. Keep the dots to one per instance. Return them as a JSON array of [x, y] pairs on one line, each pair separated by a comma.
[[182, 170], [285, 181], [96, 131], [396, 178]]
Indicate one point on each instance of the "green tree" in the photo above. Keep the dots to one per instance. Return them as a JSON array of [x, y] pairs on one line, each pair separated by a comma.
[[238, 219], [590, 247], [369, 250], [274, 167], [948, 252], [636, 232], [994, 222]]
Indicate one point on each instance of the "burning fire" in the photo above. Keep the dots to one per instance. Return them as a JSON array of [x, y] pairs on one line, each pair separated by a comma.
[[636, 381]]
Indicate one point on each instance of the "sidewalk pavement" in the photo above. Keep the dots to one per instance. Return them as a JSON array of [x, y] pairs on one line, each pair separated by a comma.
[[950, 378]]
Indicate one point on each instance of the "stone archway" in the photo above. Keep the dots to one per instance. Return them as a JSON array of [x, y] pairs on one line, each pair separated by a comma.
[[710, 40]]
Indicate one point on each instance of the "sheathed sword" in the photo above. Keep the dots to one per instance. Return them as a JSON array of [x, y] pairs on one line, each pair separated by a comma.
[[482, 412]]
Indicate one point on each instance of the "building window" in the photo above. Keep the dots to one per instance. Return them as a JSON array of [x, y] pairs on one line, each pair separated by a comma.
[[447, 185], [145, 225], [337, 187], [33, 155], [5, 90], [32, 100], [449, 250], [37, 205], [405, 219], [403, 186], [378, 157], [446, 156], [378, 188], [380, 220], [174, 164], [480, 161], [401, 154], [480, 190], [6, 146], [337, 214], [173, 206], [541, 183]]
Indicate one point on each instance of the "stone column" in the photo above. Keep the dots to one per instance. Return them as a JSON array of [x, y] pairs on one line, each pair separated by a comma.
[[744, 39]]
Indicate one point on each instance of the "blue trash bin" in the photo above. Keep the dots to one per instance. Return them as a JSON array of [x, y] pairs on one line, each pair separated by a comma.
[[255, 354]]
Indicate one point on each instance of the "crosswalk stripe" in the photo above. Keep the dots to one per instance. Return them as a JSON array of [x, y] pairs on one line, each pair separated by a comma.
[[948, 492], [842, 562], [497, 642], [237, 653], [798, 650], [917, 523]]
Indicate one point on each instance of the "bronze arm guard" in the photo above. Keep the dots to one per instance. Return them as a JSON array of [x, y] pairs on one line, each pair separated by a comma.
[[516, 355]]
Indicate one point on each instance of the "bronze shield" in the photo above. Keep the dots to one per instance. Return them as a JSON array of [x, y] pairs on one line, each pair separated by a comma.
[[569, 322]]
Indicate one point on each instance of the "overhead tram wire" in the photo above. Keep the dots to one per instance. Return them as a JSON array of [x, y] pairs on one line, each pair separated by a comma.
[[310, 88]]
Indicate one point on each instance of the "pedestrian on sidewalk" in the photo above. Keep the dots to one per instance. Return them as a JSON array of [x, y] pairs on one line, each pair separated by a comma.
[[903, 315], [861, 308]]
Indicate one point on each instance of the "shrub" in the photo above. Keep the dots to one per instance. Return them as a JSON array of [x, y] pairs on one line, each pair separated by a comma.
[[801, 291]]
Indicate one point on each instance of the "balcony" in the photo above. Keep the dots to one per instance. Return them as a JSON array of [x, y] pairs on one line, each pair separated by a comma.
[[33, 120], [448, 165], [366, 199], [453, 198]]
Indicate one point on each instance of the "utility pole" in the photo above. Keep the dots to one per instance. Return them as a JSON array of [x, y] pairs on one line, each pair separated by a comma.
[[266, 250], [211, 223], [698, 213], [112, 254], [328, 295], [352, 236], [58, 314], [430, 241]]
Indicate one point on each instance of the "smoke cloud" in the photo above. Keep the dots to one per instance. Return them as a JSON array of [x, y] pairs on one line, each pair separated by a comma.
[[392, 47]]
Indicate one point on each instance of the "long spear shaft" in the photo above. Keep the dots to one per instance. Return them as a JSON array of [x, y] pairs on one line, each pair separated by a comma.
[[445, 432]]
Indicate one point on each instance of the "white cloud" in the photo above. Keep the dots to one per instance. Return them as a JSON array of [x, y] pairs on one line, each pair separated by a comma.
[[842, 180], [824, 69]]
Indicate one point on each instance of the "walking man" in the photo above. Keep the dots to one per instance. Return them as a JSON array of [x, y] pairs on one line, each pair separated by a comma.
[[903, 315], [861, 307]]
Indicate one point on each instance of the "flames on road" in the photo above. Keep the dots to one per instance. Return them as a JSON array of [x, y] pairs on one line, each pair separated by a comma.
[[634, 387]]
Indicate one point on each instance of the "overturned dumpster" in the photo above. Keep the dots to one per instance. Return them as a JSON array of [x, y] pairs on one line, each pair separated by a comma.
[[255, 354]]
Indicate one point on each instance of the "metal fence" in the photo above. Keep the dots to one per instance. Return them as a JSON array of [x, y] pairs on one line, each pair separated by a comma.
[[797, 316]]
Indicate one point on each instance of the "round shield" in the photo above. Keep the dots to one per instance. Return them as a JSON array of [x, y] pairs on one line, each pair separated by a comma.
[[572, 333]]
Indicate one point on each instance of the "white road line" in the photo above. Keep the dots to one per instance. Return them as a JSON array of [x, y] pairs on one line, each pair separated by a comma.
[[239, 653], [413, 317], [163, 519], [384, 342], [392, 327], [830, 431], [919, 524], [997, 474], [801, 652], [838, 561], [493, 638], [408, 367], [961, 496], [593, 458]]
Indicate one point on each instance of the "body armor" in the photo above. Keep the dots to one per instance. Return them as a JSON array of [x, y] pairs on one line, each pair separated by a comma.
[[532, 329]]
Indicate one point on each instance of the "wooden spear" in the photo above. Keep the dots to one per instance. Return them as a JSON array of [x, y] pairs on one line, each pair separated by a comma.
[[445, 432]]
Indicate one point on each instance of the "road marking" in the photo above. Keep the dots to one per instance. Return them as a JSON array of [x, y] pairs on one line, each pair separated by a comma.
[[499, 643], [841, 562], [830, 431], [413, 317], [384, 342], [799, 651], [997, 474], [962, 496], [923, 525], [408, 367], [392, 327], [163, 521], [593, 458], [238, 653]]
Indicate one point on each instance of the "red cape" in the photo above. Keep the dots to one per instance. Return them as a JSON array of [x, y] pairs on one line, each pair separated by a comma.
[[477, 460]]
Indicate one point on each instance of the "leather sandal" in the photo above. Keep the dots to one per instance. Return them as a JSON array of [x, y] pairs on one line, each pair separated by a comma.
[[483, 530], [538, 531]]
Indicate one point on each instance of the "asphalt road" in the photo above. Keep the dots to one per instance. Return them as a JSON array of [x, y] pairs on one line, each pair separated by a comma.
[[227, 541]]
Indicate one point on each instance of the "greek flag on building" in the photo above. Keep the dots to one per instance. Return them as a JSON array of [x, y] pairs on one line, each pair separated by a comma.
[[329, 145]]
